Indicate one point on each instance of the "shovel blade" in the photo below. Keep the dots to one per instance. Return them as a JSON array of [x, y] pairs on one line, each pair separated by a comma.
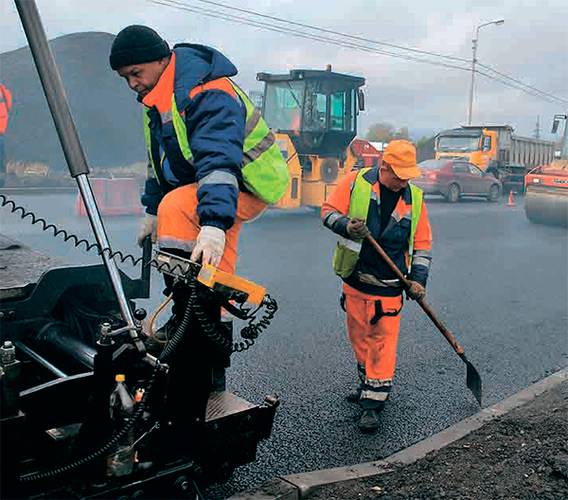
[[473, 381]]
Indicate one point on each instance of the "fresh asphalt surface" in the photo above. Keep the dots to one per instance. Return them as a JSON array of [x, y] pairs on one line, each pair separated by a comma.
[[497, 281]]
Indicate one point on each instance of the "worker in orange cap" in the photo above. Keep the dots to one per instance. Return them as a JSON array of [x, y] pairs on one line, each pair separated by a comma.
[[382, 200], [5, 106]]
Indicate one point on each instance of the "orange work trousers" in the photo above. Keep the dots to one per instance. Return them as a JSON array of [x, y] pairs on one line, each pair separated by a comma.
[[373, 324], [178, 222]]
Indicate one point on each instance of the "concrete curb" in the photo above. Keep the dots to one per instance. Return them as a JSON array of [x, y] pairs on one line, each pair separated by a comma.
[[298, 486]]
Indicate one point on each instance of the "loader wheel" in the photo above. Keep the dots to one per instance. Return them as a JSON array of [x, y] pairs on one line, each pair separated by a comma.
[[453, 194], [494, 193]]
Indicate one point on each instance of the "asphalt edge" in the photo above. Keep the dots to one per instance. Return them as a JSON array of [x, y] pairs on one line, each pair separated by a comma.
[[299, 486]]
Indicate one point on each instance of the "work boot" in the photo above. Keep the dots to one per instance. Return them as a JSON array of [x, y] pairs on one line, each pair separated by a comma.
[[355, 396], [369, 421], [219, 379]]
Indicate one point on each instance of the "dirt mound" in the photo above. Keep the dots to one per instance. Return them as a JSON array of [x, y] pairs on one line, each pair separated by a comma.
[[105, 110]]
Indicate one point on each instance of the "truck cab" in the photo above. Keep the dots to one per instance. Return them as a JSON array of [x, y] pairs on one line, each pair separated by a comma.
[[477, 145], [496, 150]]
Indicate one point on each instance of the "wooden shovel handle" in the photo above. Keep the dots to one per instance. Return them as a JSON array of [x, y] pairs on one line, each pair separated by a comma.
[[423, 304]]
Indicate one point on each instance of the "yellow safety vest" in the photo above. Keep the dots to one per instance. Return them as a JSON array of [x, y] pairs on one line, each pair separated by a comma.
[[265, 172], [347, 251]]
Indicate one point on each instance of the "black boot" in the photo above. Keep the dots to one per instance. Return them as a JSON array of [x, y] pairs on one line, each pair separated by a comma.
[[369, 421], [189, 381], [355, 396]]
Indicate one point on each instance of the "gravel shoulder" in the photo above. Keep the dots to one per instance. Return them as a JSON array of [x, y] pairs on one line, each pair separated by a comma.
[[523, 454]]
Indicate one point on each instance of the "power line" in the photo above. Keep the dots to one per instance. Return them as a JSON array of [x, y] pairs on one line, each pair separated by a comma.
[[507, 83], [497, 76], [354, 37], [489, 68], [332, 32], [297, 33]]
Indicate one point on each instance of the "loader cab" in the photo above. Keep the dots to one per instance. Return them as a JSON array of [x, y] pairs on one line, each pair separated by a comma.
[[316, 109]]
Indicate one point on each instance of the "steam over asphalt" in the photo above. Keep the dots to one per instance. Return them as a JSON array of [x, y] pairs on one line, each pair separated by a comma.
[[499, 282]]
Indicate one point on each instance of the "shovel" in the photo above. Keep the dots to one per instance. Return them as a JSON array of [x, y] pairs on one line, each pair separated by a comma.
[[473, 380]]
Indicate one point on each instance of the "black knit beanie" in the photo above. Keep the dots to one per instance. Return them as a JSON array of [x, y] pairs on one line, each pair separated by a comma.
[[135, 45]]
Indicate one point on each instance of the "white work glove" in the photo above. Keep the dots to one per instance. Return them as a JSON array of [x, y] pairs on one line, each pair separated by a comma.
[[210, 246], [148, 226]]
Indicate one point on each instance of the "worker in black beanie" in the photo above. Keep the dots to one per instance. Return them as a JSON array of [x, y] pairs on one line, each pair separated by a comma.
[[213, 164], [137, 44]]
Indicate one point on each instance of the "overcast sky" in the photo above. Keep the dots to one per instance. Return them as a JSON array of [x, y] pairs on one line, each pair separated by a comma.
[[532, 46]]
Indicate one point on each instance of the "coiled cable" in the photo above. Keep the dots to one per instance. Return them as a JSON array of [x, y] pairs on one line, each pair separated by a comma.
[[88, 246]]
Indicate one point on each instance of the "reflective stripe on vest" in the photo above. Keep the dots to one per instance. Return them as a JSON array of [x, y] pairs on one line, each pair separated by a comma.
[[416, 195], [265, 172], [347, 252]]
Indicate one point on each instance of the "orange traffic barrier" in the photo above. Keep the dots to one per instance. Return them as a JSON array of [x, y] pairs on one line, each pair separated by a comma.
[[114, 197], [511, 201]]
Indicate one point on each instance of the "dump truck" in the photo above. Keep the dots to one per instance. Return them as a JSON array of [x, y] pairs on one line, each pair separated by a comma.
[[314, 116], [497, 150], [546, 187]]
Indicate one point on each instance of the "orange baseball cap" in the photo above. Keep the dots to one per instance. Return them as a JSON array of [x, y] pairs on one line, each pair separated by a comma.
[[401, 156]]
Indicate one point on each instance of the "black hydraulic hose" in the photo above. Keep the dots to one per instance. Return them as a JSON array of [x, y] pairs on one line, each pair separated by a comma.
[[174, 343]]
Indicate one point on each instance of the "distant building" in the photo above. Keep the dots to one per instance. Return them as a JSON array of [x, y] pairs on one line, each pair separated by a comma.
[[22, 168]]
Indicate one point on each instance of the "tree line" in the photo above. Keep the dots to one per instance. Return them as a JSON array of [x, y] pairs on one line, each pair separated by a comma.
[[386, 132]]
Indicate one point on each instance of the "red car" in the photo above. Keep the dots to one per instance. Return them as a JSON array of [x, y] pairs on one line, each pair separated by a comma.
[[456, 178]]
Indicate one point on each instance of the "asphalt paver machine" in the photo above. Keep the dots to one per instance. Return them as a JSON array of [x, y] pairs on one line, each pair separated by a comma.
[[86, 410]]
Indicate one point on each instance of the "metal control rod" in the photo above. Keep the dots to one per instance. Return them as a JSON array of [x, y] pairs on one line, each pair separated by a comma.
[[41, 360], [74, 154]]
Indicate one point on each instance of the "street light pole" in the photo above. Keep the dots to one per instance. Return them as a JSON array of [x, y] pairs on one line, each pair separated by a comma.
[[497, 22]]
